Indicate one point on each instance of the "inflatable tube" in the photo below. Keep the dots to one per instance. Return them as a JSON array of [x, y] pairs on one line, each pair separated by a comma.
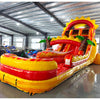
[[29, 75], [64, 42], [80, 22], [28, 64]]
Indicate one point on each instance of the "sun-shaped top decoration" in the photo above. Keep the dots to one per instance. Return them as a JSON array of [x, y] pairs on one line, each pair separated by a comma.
[[82, 20], [81, 23]]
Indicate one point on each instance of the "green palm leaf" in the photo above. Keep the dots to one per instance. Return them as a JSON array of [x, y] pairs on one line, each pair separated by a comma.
[[48, 37], [90, 42], [43, 41], [80, 37]]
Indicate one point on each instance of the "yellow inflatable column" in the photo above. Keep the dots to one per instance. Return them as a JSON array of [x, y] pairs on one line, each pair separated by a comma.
[[97, 59]]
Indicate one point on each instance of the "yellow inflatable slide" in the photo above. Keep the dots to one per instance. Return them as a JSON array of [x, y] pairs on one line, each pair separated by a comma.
[[75, 49]]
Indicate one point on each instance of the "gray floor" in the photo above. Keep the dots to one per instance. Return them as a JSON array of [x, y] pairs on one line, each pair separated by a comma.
[[83, 84]]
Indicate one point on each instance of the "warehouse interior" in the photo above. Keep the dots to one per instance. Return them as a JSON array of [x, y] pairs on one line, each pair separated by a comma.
[[24, 24]]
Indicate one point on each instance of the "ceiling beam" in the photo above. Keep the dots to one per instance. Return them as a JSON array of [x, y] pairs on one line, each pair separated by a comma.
[[49, 13], [16, 6], [13, 30], [5, 33], [31, 27]]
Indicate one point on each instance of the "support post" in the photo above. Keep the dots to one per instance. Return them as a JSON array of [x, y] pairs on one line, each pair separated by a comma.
[[12, 40], [26, 42], [0, 40], [45, 43]]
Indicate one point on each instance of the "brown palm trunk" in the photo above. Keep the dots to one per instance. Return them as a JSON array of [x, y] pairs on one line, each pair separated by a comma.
[[83, 46], [48, 43]]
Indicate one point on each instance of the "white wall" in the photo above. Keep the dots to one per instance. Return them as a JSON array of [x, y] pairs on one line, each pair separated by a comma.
[[97, 37], [19, 41], [6, 40], [33, 42]]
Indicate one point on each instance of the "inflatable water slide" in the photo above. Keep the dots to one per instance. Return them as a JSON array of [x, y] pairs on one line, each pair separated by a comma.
[[76, 48]]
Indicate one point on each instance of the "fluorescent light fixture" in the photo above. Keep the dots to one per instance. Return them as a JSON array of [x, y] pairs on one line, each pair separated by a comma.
[[53, 4], [17, 24], [63, 16], [37, 33], [51, 19], [19, 12], [67, 19]]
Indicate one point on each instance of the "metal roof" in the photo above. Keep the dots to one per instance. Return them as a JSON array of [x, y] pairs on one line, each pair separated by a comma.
[[32, 18]]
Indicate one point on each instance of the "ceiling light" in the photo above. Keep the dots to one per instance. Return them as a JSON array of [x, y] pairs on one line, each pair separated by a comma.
[[19, 12], [53, 4], [63, 16], [17, 24], [67, 19], [37, 33], [51, 19]]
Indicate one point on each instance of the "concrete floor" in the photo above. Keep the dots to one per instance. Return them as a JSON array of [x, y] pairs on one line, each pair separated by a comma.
[[83, 84]]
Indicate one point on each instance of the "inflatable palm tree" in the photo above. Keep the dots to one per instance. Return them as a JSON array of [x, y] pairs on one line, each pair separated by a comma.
[[84, 43], [47, 41]]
